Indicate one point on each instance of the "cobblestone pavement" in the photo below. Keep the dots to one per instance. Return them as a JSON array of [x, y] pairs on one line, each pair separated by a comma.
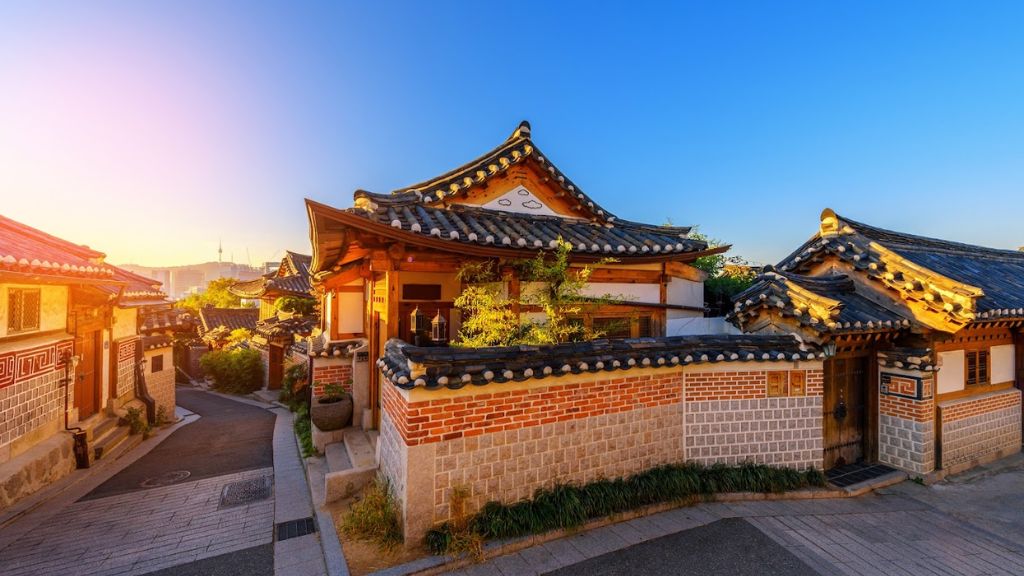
[[877, 534], [187, 527]]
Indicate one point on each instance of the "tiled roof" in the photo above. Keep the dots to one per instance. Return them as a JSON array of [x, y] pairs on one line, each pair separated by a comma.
[[409, 366], [211, 318], [472, 225], [825, 304], [516, 149], [908, 359], [959, 282], [298, 325], [26, 250], [292, 277], [156, 341], [166, 319]]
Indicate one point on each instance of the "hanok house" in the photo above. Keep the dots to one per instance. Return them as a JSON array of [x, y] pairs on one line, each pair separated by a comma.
[[278, 332], [925, 340], [376, 263], [216, 324], [71, 357]]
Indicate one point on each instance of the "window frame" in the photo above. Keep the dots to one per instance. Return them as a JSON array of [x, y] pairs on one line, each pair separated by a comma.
[[19, 328], [980, 353], [153, 362]]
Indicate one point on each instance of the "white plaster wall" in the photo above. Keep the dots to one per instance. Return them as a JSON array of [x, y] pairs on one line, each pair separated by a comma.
[[125, 322], [695, 325], [685, 292], [350, 312], [951, 372], [328, 306], [53, 304], [650, 293], [520, 201], [1003, 364]]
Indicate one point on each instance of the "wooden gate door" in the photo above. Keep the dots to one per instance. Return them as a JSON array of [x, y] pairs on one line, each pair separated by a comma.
[[844, 411], [276, 374], [87, 386]]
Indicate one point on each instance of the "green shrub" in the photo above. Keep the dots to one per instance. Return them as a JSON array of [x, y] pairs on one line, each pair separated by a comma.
[[568, 505], [136, 420], [237, 371], [303, 430], [295, 388], [374, 516]]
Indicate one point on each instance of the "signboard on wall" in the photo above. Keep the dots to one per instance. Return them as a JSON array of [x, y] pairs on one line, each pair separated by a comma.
[[900, 385]]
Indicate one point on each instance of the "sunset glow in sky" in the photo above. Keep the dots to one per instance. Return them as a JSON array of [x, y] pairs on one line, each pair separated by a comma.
[[151, 131]]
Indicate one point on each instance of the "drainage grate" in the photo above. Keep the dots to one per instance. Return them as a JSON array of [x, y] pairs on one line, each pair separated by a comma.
[[851, 474], [165, 479], [246, 491], [295, 528]]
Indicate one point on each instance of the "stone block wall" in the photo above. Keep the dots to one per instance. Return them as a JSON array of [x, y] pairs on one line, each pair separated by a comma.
[[161, 384], [31, 395], [126, 367], [730, 419], [976, 427], [504, 441], [906, 427]]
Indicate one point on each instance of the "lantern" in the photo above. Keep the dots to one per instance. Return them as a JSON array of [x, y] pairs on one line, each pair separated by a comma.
[[418, 324], [439, 329]]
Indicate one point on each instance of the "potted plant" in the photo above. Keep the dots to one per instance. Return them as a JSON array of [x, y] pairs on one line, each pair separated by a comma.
[[333, 410]]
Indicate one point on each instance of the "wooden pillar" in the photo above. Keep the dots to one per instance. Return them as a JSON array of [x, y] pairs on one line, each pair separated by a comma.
[[511, 277]]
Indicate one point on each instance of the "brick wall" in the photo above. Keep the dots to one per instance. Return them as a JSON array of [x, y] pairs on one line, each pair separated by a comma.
[[331, 371], [503, 441], [126, 366], [906, 427], [973, 428]]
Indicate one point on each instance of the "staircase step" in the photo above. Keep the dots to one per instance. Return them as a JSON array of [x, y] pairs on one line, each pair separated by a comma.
[[104, 427], [360, 452], [373, 435], [103, 446], [337, 457]]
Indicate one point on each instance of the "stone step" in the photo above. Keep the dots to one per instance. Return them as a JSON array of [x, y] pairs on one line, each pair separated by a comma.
[[103, 427], [337, 457], [106, 443], [360, 452], [373, 435]]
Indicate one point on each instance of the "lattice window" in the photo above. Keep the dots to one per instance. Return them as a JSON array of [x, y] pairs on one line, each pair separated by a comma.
[[977, 367], [612, 327], [22, 310], [157, 363]]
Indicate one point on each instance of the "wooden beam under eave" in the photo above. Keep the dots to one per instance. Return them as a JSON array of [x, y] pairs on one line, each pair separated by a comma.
[[685, 271]]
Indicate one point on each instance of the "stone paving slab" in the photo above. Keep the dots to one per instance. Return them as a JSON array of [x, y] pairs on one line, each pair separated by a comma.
[[873, 534], [143, 531]]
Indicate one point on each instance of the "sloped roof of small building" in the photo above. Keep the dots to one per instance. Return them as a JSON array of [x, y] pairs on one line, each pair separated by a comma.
[[291, 278], [824, 304], [961, 282], [29, 251], [211, 318]]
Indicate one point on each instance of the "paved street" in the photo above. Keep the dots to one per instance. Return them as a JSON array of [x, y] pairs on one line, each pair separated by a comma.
[[204, 501], [956, 528]]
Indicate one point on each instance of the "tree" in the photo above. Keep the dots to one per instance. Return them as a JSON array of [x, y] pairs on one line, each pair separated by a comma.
[[489, 319], [296, 305], [216, 295], [727, 276]]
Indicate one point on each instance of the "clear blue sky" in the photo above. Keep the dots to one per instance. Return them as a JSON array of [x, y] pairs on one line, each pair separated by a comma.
[[150, 131]]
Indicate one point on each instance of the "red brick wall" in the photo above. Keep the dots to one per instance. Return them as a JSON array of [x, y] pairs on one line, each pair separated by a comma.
[[331, 372], [962, 410], [917, 410], [448, 418]]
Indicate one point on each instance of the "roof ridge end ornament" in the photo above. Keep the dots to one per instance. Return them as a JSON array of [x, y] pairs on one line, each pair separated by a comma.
[[830, 223], [521, 131]]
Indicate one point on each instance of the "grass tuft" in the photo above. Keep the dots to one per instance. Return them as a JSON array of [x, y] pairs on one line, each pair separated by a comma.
[[374, 517], [569, 506]]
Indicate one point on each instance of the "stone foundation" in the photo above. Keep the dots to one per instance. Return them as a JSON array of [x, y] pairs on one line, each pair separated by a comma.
[[973, 428], [906, 444], [46, 462]]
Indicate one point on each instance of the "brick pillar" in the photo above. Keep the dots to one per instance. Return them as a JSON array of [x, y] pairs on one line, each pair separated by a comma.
[[906, 419]]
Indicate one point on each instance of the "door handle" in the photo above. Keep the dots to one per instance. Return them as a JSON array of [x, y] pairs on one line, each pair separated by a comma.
[[840, 411]]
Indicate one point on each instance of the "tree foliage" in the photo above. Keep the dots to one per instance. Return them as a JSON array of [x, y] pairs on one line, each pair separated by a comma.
[[238, 371], [216, 295], [296, 305], [488, 316]]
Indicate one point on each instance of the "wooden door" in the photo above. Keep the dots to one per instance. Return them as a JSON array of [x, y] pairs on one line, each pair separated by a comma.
[[844, 411], [87, 378], [276, 368], [1018, 348]]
